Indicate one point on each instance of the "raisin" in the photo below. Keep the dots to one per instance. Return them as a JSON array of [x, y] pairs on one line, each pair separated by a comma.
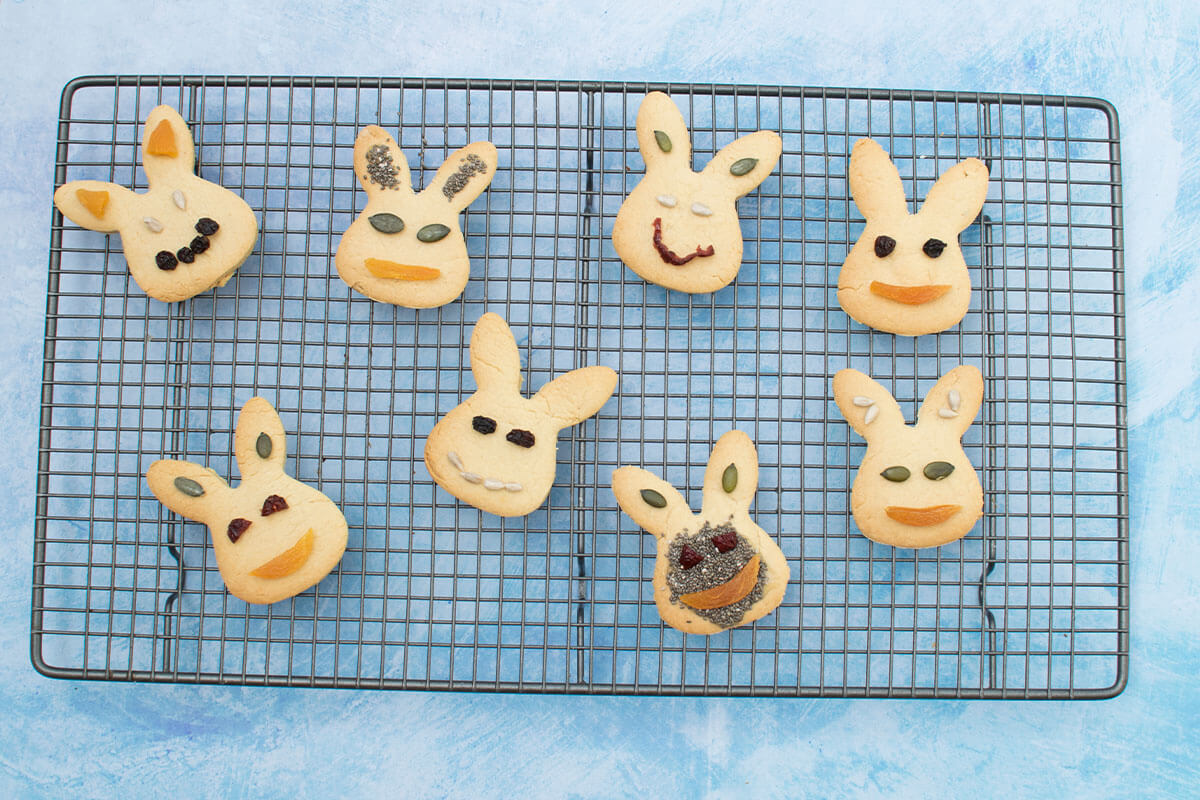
[[520, 437], [236, 528], [199, 244], [484, 424], [884, 245], [166, 260], [689, 557], [272, 504], [206, 226], [185, 255], [724, 542], [933, 247]]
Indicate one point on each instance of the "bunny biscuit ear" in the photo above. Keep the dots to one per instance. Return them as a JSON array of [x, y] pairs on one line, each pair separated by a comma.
[[655, 505], [958, 195], [746, 162], [168, 150], [463, 175], [188, 489], [571, 398], [954, 400], [866, 405], [259, 442], [662, 134], [379, 163], [732, 474], [495, 360], [875, 182], [95, 205]]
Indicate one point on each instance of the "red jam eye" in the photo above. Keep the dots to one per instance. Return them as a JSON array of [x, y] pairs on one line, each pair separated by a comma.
[[272, 504], [724, 542], [689, 558]]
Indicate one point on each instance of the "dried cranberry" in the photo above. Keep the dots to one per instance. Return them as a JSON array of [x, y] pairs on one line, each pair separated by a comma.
[[199, 244], [185, 255], [520, 437], [272, 504], [236, 528], [689, 557], [165, 259], [933, 247], [884, 245], [206, 226], [484, 424], [724, 542]]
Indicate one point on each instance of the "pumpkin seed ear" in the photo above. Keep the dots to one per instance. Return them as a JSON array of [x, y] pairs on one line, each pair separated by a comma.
[[653, 498], [729, 478], [742, 166], [189, 487], [263, 446], [664, 141]]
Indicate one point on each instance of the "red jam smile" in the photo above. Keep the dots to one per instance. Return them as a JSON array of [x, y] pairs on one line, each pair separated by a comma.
[[670, 256]]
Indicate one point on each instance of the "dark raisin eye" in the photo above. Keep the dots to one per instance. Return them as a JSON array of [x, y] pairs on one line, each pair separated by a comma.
[[884, 245], [724, 542], [689, 558], [933, 247], [936, 470], [236, 528], [272, 504], [896, 474], [484, 424], [520, 437]]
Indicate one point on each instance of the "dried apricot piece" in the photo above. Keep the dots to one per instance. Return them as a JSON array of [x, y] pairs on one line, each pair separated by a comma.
[[94, 202], [289, 560], [921, 517], [381, 268], [909, 295], [729, 592], [162, 140]]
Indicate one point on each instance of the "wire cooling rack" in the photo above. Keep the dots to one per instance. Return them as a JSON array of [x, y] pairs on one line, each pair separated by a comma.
[[432, 594]]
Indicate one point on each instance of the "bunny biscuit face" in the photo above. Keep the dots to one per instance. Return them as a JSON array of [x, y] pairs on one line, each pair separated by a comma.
[[407, 248], [274, 537], [915, 486], [906, 273], [718, 569], [679, 228], [185, 235], [497, 450]]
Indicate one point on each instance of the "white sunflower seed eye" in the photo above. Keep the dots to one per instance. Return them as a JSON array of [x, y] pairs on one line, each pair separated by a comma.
[[154, 225], [872, 413], [954, 399], [179, 199], [701, 210], [666, 200], [862, 401]]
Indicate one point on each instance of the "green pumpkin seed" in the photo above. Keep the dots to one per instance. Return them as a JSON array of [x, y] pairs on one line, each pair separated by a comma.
[[653, 498], [263, 446], [664, 141], [433, 232], [386, 223], [189, 487], [896, 474], [936, 470], [742, 166], [729, 478]]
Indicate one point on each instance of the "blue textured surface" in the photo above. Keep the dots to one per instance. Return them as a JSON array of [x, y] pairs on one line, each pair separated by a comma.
[[134, 739]]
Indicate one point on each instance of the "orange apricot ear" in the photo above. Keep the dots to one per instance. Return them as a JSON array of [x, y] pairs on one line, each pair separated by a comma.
[[162, 140], [95, 202]]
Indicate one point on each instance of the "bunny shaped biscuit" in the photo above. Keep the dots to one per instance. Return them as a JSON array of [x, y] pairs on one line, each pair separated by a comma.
[[497, 450], [406, 247], [185, 235], [915, 486], [718, 569], [679, 228], [906, 273], [274, 536]]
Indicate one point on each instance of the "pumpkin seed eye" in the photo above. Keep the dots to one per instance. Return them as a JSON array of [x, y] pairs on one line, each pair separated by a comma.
[[386, 223], [936, 470], [896, 474], [433, 232]]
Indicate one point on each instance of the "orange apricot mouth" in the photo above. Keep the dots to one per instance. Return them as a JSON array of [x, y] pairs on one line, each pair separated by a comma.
[[289, 560], [727, 593], [909, 295], [921, 517], [381, 268]]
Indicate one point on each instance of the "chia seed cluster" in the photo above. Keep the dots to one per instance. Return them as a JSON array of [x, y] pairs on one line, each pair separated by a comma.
[[470, 166], [714, 570], [380, 169]]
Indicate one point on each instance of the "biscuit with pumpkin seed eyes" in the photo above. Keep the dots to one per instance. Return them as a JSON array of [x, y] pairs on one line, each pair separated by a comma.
[[182, 236], [714, 570], [406, 247]]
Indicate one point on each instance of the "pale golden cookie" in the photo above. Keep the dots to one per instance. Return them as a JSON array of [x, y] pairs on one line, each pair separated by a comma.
[[406, 247], [915, 486], [274, 536], [184, 235], [497, 450], [717, 569], [906, 273], [677, 215]]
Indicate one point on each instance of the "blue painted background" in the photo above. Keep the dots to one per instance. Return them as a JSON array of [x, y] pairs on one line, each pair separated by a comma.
[[62, 738]]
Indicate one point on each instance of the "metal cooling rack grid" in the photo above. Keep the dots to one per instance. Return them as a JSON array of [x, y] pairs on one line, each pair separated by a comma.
[[432, 594]]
